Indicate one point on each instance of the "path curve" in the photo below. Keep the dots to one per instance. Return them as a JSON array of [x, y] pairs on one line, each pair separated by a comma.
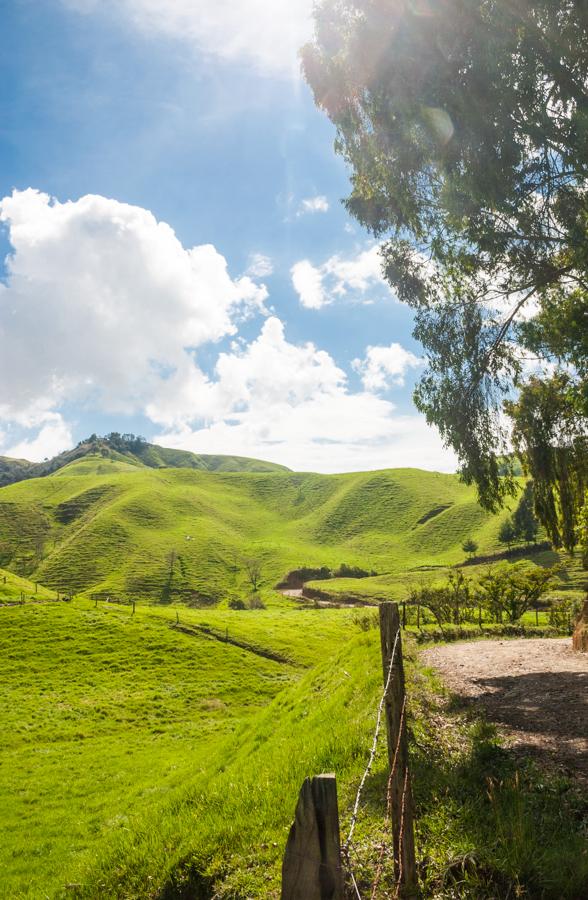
[[535, 690]]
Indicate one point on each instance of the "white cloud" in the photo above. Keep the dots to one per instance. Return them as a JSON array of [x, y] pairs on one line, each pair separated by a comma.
[[264, 33], [385, 366], [104, 305], [338, 277], [104, 309], [314, 204], [308, 284], [291, 404], [260, 266], [54, 437]]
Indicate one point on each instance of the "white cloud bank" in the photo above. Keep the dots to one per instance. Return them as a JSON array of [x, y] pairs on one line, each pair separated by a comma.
[[264, 33], [338, 277], [291, 404], [103, 306], [104, 310]]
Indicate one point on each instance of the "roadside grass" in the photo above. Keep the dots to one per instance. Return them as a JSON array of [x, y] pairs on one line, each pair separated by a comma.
[[488, 825], [491, 824]]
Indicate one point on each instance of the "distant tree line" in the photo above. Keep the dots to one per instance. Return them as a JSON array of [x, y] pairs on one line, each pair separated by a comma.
[[125, 443]]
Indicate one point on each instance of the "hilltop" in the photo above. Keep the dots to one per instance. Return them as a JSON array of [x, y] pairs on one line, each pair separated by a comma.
[[108, 524], [135, 451]]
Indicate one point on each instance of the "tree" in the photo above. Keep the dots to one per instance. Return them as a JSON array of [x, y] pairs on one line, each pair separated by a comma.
[[507, 533], [525, 524], [464, 127], [254, 570], [513, 591], [470, 547]]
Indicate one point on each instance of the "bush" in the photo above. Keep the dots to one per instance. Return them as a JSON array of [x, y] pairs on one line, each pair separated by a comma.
[[255, 602], [345, 571], [236, 603], [563, 612]]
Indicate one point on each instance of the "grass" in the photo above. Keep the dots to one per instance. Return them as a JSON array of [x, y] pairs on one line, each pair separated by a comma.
[[140, 762], [105, 525], [108, 714]]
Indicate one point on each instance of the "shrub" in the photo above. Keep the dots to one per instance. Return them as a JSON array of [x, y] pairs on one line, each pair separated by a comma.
[[236, 603], [255, 602]]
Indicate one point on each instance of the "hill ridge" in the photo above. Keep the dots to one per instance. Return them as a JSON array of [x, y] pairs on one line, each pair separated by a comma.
[[134, 451]]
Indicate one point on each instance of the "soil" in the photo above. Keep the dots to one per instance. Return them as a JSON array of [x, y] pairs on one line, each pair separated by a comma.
[[536, 691]]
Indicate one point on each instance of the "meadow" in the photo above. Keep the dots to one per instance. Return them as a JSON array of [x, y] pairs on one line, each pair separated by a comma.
[[156, 751]]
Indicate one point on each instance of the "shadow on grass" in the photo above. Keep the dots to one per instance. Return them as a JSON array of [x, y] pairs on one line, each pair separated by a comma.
[[502, 828]]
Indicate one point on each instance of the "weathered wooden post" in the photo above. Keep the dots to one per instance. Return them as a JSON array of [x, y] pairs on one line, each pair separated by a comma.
[[404, 613], [133, 607], [402, 810], [311, 869]]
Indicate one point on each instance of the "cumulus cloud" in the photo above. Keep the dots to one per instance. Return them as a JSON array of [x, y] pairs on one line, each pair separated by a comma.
[[267, 35], [308, 284], [102, 305], [313, 205], [338, 277], [291, 404], [385, 366], [103, 309]]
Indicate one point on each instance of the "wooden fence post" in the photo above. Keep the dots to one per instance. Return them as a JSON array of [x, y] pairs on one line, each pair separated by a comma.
[[400, 788], [311, 869]]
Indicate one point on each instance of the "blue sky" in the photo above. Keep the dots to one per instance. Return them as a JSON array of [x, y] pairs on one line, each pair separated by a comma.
[[132, 133]]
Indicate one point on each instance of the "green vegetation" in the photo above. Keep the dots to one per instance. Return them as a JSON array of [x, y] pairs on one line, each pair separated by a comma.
[[157, 749], [468, 162], [163, 535], [135, 451], [143, 761]]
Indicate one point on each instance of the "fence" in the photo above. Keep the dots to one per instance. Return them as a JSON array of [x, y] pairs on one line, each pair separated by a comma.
[[316, 865]]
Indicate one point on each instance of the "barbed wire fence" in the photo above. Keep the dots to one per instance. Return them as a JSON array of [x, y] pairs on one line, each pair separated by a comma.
[[316, 865]]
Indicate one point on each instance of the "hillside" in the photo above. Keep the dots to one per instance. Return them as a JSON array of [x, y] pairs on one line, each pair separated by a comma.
[[101, 524], [134, 451]]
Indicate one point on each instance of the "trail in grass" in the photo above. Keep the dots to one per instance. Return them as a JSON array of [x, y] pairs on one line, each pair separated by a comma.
[[537, 690]]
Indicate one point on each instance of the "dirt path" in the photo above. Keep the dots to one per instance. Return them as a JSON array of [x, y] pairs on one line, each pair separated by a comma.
[[536, 690]]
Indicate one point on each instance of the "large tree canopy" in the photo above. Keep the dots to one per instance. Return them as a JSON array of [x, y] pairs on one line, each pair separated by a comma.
[[465, 126]]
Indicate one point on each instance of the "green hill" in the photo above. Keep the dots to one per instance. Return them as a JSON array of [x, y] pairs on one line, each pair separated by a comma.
[[103, 524], [134, 451]]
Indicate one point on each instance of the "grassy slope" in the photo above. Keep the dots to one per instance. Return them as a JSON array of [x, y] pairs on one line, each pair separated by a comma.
[[137, 759], [108, 715], [12, 588], [108, 525]]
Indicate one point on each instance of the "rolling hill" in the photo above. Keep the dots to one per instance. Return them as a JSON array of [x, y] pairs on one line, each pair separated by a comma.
[[134, 451], [112, 524]]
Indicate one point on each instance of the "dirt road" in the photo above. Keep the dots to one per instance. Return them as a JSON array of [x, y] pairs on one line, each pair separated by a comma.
[[535, 690]]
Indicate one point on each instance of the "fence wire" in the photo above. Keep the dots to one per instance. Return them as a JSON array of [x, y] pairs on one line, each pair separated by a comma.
[[346, 848]]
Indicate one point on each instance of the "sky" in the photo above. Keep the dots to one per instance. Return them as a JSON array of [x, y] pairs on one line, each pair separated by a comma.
[[176, 260]]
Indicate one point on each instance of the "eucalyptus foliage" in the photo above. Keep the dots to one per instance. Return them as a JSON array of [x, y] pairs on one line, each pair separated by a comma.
[[465, 127]]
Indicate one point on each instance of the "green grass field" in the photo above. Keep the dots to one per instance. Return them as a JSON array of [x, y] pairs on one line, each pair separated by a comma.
[[158, 752], [141, 762]]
